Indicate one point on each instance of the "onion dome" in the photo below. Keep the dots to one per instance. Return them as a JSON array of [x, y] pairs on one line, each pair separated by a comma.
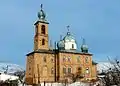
[[84, 47], [69, 41], [41, 14], [69, 37], [61, 45]]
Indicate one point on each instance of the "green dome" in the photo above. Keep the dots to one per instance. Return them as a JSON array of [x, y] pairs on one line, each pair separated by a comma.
[[41, 15], [68, 37], [61, 44], [84, 47]]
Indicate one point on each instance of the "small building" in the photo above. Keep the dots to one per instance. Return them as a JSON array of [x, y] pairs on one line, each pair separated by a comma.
[[48, 64]]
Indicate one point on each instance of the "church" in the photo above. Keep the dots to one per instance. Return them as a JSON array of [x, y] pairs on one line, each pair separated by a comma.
[[48, 64]]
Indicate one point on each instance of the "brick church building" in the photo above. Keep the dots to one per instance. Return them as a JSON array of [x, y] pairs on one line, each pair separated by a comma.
[[48, 64]]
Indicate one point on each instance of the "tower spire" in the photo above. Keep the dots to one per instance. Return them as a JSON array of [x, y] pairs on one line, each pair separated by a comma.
[[41, 14]]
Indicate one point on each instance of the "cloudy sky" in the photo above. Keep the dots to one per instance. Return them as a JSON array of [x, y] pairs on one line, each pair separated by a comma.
[[98, 21]]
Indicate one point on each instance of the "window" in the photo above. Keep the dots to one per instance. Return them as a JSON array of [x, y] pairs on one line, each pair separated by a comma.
[[43, 29], [52, 70], [86, 59], [69, 59], [52, 60], [78, 59], [79, 70], [87, 70], [43, 41], [29, 68], [64, 70], [72, 46], [64, 59], [44, 59], [69, 70]]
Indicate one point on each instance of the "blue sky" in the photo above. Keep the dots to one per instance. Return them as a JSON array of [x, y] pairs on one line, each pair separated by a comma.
[[98, 21]]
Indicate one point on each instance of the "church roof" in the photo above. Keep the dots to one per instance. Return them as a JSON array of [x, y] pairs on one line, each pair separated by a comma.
[[74, 51], [58, 51]]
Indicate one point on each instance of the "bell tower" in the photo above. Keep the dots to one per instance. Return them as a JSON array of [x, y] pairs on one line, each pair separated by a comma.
[[41, 31]]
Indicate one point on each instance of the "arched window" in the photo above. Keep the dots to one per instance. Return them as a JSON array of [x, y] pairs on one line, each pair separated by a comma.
[[52, 60], [69, 70], [45, 71], [64, 70], [86, 59], [43, 29], [64, 59], [52, 70], [78, 59], [43, 41], [72, 46], [44, 59], [87, 70], [79, 70], [69, 59]]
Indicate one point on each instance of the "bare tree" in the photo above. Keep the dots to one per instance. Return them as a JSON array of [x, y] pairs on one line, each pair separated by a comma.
[[112, 75], [21, 75]]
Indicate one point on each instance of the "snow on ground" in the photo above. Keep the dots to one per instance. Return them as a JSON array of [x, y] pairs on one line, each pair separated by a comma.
[[4, 77], [60, 84]]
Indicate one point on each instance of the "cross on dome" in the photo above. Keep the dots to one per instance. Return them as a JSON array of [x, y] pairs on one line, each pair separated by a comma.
[[41, 6], [68, 28], [68, 33]]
